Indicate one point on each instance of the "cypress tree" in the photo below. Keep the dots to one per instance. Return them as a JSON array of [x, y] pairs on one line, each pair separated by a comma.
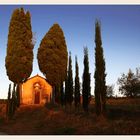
[[9, 92], [69, 96], [52, 57], [62, 98], [100, 83], [18, 94], [19, 58], [8, 102], [86, 82], [13, 101], [77, 84], [66, 90]]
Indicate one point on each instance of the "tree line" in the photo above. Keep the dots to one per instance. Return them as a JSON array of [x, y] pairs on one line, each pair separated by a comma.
[[55, 64], [52, 60]]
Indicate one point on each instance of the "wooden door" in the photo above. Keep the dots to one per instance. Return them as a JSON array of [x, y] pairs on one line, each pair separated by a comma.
[[37, 97]]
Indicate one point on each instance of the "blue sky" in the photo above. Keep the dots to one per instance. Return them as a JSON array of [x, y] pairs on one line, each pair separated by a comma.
[[120, 26]]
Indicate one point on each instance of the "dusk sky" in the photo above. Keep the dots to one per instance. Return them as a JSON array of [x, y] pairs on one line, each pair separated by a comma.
[[120, 27]]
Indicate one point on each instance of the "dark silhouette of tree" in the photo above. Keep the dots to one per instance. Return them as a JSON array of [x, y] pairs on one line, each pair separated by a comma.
[[19, 58], [62, 98], [52, 57], [66, 90], [14, 100], [69, 83], [110, 91], [86, 82], [18, 94], [129, 84], [100, 82], [77, 85], [8, 106]]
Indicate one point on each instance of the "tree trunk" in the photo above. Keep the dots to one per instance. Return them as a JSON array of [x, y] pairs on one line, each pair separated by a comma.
[[18, 94], [53, 95]]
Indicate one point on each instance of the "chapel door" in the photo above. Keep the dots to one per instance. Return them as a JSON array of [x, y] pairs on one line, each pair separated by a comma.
[[37, 97]]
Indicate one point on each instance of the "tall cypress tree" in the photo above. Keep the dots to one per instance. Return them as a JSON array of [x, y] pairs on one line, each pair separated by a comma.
[[52, 57], [100, 83], [86, 82], [77, 84], [62, 98], [19, 58], [66, 90], [69, 94]]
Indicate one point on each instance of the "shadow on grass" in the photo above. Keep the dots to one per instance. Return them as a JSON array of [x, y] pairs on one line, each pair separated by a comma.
[[65, 131], [115, 113]]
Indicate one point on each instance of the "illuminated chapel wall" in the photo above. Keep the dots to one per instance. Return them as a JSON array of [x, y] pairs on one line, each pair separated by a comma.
[[36, 91]]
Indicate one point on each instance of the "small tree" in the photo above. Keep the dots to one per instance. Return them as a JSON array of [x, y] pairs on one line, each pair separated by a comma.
[[86, 82], [110, 91], [129, 84], [77, 85], [100, 81], [8, 106], [14, 100], [69, 83]]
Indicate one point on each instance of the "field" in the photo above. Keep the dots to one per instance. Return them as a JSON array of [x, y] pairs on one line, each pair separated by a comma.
[[123, 117]]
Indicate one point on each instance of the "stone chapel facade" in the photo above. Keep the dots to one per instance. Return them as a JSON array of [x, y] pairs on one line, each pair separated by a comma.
[[36, 90]]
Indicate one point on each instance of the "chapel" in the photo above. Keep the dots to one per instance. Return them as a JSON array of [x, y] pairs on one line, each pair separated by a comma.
[[36, 90]]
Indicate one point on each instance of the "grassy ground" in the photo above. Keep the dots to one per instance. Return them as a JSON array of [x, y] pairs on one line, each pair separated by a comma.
[[123, 117]]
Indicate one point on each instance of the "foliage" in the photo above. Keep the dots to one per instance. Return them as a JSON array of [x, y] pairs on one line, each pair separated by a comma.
[[14, 100], [8, 105], [100, 82], [62, 97], [77, 84], [9, 92], [69, 83], [18, 94], [52, 55], [52, 58], [110, 90], [66, 90], [129, 84], [86, 82], [11, 102], [19, 56]]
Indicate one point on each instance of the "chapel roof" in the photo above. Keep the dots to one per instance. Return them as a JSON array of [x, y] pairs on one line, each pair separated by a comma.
[[38, 77]]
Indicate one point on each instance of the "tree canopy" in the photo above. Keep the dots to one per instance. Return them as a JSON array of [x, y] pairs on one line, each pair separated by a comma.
[[110, 91], [19, 56], [86, 81], [77, 84], [52, 56], [129, 84], [99, 75], [69, 83]]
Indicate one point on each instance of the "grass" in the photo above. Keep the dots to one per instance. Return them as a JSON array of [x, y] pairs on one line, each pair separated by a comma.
[[65, 131], [123, 117]]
